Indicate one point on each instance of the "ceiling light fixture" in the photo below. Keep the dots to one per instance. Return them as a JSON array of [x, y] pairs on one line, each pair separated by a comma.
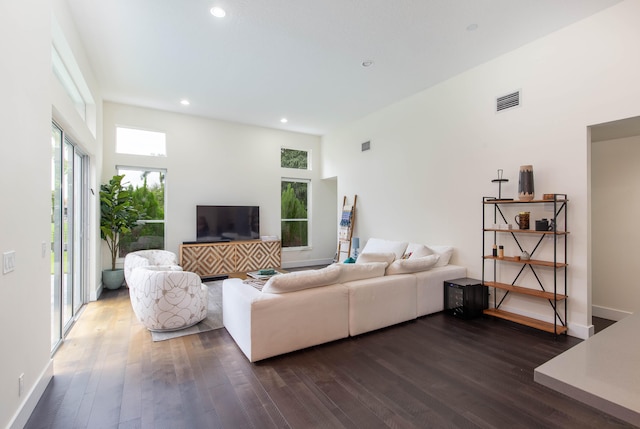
[[367, 63], [284, 120], [184, 102], [218, 12]]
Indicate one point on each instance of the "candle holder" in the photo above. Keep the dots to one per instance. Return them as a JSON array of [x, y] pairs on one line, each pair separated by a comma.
[[500, 180]]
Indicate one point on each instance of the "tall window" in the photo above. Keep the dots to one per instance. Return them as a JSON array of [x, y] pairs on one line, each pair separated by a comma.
[[147, 186], [295, 212]]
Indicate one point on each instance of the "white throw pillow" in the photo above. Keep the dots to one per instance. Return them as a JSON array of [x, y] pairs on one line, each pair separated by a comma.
[[300, 280], [412, 265], [418, 250], [351, 272], [445, 253], [377, 245], [365, 258]]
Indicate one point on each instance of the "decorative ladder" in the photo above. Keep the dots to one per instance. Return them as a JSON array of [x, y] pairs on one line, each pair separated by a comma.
[[345, 231]]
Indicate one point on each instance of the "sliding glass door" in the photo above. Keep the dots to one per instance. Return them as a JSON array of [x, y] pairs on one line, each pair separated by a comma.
[[68, 216]]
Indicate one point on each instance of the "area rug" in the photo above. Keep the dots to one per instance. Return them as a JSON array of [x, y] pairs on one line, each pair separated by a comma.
[[211, 322]]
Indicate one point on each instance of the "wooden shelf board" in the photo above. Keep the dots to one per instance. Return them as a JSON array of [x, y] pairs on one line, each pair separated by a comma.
[[527, 321], [525, 291], [527, 231], [523, 202], [529, 261]]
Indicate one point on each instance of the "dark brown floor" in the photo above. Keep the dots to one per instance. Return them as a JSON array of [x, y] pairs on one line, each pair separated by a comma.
[[437, 371]]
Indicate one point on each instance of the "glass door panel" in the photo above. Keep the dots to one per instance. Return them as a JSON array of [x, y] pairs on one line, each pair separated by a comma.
[[67, 234], [56, 237]]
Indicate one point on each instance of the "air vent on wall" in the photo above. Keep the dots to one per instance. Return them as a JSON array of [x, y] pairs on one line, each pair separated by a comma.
[[366, 145], [508, 101]]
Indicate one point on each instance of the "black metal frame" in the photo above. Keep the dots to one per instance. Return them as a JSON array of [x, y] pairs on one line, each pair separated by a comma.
[[559, 208]]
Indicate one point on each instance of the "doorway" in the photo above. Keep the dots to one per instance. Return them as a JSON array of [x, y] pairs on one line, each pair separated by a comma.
[[69, 184]]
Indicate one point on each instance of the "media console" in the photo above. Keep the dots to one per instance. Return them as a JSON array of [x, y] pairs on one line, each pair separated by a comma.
[[222, 258]]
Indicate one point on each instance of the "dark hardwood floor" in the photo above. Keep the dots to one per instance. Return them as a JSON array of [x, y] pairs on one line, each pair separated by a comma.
[[437, 371]]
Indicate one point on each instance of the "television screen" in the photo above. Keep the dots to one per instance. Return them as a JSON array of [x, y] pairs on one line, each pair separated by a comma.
[[224, 223]]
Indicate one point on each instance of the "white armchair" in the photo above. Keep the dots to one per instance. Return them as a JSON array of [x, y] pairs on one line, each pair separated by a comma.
[[165, 300], [146, 258]]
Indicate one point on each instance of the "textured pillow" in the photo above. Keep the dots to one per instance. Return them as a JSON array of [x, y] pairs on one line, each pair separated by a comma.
[[418, 250], [412, 265], [365, 258], [300, 280], [351, 272], [376, 245], [445, 253]]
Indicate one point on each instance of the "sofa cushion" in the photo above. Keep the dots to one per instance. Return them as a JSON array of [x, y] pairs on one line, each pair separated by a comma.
[[445, 253], [351, 272], [300, 280], [377, 245], [412, 265], [366, 258]]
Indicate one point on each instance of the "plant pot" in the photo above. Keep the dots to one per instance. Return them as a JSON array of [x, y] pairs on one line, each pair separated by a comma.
[[113, 279]]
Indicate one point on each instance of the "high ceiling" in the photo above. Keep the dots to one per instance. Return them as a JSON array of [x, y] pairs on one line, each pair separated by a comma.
[[300, 59]]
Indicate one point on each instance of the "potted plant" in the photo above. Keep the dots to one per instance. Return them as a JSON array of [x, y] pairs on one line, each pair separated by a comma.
[[118, 215]]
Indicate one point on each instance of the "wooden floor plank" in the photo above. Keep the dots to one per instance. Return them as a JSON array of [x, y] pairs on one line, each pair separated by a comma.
[[436, 371]]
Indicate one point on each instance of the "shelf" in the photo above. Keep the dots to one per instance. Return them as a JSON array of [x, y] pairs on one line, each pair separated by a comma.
[[534, 262], [527, 231], [525, 291], [523, 202], [527, 321]]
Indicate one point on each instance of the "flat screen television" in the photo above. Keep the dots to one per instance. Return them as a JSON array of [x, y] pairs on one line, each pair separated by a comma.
[[227, 223]]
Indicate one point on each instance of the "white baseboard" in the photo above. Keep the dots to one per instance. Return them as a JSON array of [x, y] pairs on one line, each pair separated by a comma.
[[574, 329], [608, 313], [29, 404]]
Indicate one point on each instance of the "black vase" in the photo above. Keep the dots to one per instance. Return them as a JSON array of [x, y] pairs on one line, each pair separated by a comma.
[[525, 183]]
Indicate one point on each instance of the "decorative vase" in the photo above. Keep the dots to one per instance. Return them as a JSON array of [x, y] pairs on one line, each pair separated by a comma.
[[525, 183], [113, 279]]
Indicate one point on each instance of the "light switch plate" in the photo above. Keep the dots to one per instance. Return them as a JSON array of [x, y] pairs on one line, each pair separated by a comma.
[[8, 261]]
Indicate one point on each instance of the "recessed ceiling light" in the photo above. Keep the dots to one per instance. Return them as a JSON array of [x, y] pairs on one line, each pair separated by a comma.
[[284, 120], [218, 12], [367, 63], [472, 27], [184, 102]]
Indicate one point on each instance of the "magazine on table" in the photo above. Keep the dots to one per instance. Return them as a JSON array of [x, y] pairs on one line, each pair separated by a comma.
[[263, 274]]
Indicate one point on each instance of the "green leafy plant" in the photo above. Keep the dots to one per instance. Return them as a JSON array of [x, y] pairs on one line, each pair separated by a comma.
[[118, 214]]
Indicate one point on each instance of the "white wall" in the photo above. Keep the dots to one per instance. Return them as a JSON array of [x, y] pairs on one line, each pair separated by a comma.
[[616, 215], [25, 156], [212, 162], [434, 154]]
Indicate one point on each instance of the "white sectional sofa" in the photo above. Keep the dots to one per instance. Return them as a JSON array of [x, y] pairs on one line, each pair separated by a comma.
[[391, 282]]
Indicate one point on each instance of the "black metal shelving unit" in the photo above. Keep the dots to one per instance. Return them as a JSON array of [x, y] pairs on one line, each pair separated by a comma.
[[557, 297]]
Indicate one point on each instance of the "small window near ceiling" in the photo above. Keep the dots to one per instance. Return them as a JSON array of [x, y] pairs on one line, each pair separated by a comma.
[[293, 158], [132, 141]]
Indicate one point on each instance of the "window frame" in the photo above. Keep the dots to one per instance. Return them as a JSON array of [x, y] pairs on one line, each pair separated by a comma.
[[309, 212]]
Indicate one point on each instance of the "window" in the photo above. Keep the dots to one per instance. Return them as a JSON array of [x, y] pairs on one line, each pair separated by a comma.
[[147, 186], [140, 142], [294, 213], [293, 158]]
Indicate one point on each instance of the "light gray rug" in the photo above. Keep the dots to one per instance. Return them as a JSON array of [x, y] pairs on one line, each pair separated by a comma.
[[212, 321]]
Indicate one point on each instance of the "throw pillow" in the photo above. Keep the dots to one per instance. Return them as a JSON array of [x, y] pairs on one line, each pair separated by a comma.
[[412, 265], [418, 250], [300, 280], [445, 253], [377, 245], [387, 257]]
